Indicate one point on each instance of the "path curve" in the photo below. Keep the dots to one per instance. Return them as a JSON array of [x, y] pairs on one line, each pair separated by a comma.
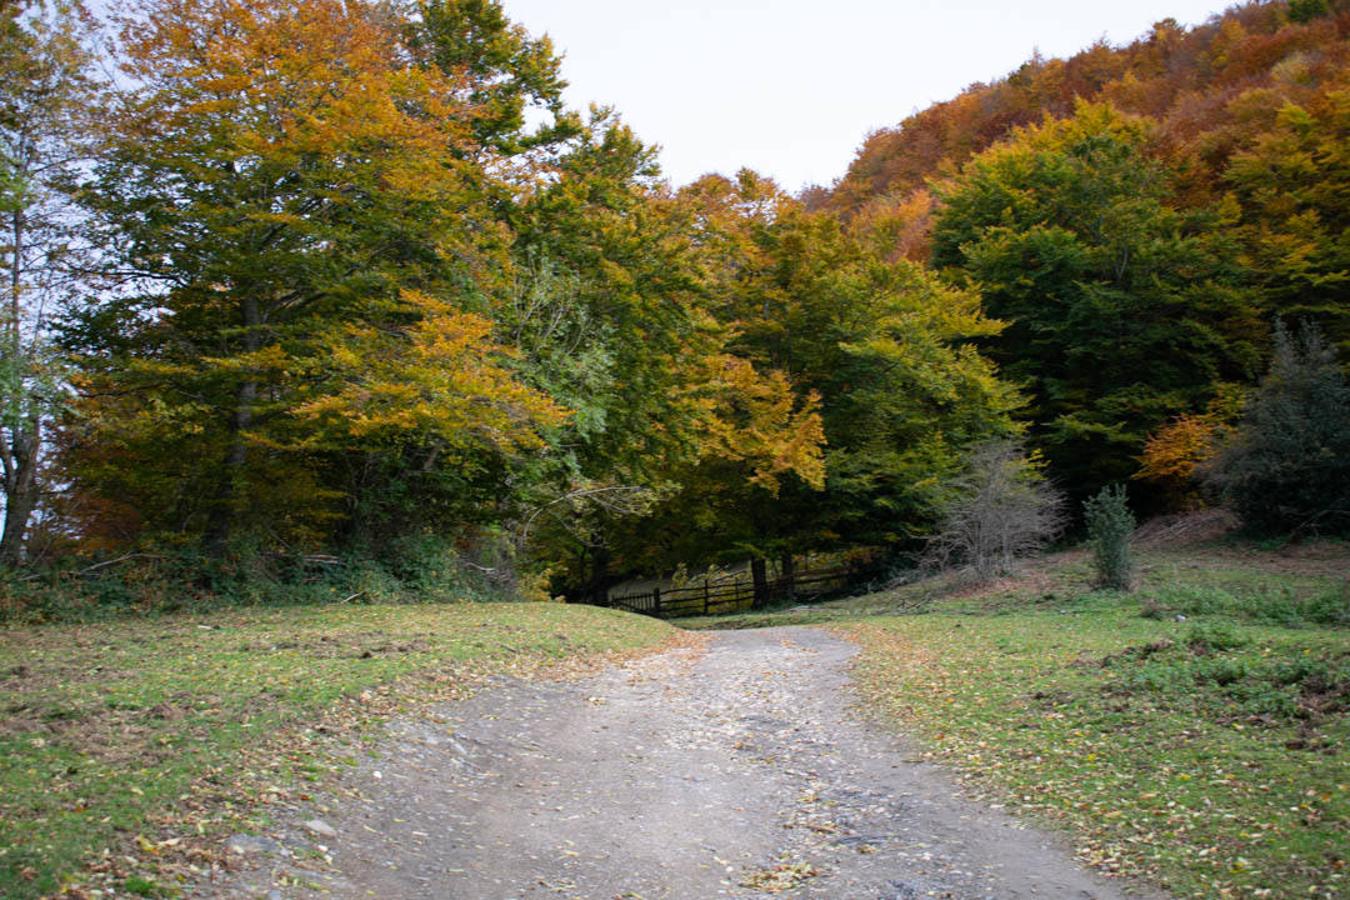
[[733, 771]]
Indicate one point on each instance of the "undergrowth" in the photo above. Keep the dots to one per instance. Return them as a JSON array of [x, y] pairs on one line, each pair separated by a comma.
[[1269, 606], [183, 581]]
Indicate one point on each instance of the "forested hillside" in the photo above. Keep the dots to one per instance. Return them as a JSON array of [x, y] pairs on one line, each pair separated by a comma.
[[1137, 216], [324, 300], [1213, 90]]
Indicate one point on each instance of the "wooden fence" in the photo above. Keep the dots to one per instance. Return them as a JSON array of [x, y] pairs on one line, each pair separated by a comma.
[[711, 599]]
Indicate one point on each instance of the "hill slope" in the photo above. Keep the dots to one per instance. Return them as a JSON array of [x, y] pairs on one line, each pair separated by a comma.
[[1214, 89]]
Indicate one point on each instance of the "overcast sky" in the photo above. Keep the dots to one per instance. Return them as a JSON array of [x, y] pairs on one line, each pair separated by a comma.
[[791, 87]]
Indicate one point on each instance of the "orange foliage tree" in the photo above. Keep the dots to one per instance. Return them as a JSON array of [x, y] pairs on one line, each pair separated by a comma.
[[291, 196]]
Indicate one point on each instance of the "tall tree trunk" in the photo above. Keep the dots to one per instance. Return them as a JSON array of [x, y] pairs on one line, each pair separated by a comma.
[[21, 489], [599, 586], [25, 437], [759, 574], [220, 525]]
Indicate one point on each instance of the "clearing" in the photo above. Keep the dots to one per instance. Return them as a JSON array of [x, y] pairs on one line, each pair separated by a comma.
[[1192, 734], [1028, 737]]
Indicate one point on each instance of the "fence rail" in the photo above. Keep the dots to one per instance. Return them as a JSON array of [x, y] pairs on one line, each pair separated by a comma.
[[709, 599]]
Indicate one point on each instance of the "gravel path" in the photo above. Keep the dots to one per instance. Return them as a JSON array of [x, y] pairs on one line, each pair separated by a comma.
[[731, 772]]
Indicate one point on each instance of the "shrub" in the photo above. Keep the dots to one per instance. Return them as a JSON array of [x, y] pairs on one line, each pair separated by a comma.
[[1221, 671], [1331, 608], [1194, 600], [1267, 607], [1110, 524], [1002, 511], [1215, 638], [1287, 468], [1152, 609], [432, 570]]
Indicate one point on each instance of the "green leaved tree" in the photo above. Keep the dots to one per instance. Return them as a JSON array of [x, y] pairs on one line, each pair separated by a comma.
[[882, 346], [1122, 308]]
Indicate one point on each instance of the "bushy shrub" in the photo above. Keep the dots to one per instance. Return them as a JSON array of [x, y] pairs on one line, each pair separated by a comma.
[[1266, 606], [1002, 510], [1329, 608], [1287, 467], [1110, 524], [1220, 670], [1195, 600]]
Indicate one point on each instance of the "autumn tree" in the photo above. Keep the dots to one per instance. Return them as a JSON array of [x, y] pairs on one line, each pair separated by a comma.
[[881, 344], [370, 283], [613, 313], [1292, 184], [1176, 454], [299, 206], [1207, 85], [365, 299], [46, 97]]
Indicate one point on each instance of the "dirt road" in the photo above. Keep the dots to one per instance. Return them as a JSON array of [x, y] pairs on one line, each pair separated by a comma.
[[731, 772]]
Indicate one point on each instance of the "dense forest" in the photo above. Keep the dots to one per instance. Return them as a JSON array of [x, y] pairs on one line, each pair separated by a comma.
[[337, 298]]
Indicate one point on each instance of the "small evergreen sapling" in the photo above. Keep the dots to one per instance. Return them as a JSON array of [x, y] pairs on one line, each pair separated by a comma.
[[1110, 524]]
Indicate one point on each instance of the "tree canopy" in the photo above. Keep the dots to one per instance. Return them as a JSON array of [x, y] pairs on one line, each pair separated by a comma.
[[345, 279], [1123, 309]]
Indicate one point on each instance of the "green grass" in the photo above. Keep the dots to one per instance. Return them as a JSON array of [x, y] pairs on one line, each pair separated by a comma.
[[132, 734], [1193, 770], [1260, 585], [1206, 754], [1203, 754]]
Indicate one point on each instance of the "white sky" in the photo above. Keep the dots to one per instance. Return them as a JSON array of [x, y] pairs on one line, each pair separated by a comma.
[[791, 87]]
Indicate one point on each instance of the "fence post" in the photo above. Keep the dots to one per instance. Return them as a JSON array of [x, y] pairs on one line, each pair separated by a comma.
[[656, 602], [705, 597]]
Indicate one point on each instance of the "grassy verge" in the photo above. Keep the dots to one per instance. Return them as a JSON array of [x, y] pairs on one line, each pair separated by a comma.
[[1224, 576], [1193, 734], [1161, 765], [120, 742]]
